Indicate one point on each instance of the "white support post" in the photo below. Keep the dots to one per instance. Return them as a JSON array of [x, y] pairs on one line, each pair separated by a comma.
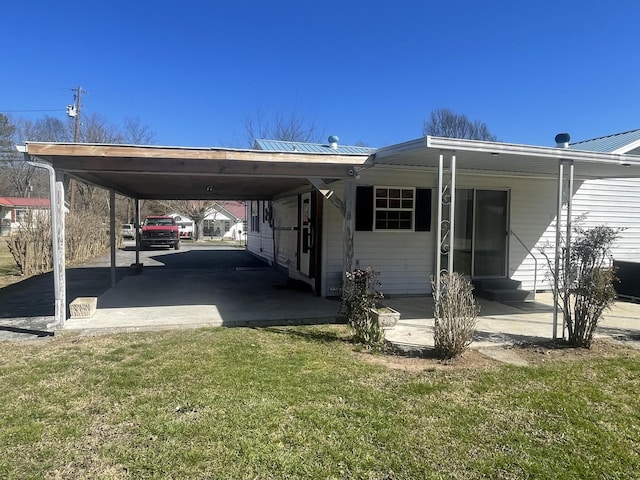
[[112, 235], [452, 211], [136, 227], [445, 235], [567, 252], [59, 267], [56, 196], [556, 279], [439, 224]]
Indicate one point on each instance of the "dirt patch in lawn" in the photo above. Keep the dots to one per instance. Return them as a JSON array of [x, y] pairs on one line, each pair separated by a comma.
[[519, 354]]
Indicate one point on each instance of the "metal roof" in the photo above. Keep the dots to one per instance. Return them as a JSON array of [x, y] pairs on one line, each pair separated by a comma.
[[503, 159], [625, 142], [282, 146], [24, 202]]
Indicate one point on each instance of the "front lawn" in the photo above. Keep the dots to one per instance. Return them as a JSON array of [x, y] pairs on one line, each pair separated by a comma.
[[272, 403]]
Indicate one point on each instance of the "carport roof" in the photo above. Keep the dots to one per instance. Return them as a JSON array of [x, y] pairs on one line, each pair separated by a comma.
[[152, 172]]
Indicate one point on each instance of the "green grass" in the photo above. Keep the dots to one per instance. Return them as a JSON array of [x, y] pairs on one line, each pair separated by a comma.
[[9, 271], [298, 402]]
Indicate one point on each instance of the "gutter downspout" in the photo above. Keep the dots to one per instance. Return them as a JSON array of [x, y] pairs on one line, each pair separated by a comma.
[[60, 307]]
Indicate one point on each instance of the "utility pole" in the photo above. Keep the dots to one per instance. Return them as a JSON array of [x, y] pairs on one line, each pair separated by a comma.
[[74, 111], [78, 96]]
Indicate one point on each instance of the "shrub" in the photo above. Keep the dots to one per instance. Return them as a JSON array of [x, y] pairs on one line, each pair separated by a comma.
[[585, 282], [359, 294], [31, 246], [455, 313]]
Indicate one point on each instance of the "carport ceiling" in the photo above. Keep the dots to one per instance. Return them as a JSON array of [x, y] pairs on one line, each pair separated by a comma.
[[149, 172]]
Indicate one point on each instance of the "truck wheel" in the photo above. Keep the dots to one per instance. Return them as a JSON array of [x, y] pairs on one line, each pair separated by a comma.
[[177, 246]]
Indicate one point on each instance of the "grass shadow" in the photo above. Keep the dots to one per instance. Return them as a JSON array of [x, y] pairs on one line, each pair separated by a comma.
[[311, 334]]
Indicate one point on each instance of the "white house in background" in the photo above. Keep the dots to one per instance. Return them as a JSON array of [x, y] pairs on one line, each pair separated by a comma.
[[505, 211], [227, 221], [17, 211]]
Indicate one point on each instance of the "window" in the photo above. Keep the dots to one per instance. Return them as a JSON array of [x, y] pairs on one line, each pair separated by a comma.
[[393, 208], [22, 215], [255, 216]]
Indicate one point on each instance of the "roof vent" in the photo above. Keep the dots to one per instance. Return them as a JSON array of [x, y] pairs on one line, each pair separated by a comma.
[[333, 141], [562, 140]]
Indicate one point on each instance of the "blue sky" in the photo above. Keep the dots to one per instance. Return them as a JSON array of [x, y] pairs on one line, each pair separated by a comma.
[[371, 72]]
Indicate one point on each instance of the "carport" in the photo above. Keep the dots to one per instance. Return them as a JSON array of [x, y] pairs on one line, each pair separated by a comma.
[[149, 172], [180, 173]]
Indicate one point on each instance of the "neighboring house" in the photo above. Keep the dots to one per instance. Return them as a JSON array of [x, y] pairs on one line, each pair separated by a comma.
[[227, 221], [19, 211], [505, 211]]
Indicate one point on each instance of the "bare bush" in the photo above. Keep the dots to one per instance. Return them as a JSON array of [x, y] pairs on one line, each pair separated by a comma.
[[31, 247], [455, 313]]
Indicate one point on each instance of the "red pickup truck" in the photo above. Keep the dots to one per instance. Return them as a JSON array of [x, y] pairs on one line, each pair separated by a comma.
[[160, 230]]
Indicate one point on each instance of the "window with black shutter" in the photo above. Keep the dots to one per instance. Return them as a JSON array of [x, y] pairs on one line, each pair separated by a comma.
[[393, 208]]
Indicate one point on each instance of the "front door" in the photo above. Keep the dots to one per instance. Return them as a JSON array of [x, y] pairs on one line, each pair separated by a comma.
[[306, 222], [481, 232]]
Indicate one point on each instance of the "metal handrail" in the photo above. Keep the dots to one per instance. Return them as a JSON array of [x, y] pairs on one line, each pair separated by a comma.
[[535, 263]]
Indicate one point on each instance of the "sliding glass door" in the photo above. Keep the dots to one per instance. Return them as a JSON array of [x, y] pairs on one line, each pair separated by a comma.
[[481, 232]]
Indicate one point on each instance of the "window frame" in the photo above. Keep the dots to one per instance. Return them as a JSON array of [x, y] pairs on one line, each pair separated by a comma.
[[399, 209]]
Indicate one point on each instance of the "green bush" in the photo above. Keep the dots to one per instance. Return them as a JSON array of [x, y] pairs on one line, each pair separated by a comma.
[[587, 283], [359, 294]]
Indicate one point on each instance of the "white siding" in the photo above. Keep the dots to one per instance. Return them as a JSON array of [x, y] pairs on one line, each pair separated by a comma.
[[286, 233], [611, 202], [260, 243], [404, 259]]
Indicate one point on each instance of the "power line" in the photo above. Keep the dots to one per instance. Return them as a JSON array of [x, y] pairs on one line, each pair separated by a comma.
[[22, 111]]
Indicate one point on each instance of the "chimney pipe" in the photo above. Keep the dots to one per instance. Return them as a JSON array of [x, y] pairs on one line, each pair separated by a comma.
[[562, 140]]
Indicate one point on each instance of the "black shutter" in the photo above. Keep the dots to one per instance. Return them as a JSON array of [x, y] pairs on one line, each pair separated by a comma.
[[364, 208], [423, 209]]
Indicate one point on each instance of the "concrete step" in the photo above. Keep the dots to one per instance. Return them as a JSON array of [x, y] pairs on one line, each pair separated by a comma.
[[496, 284], [501, 290], [503, 295]]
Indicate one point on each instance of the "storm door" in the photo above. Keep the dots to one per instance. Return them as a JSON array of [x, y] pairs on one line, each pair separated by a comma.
[[481, 232]]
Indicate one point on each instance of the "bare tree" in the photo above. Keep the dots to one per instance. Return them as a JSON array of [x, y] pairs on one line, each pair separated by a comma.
[[136, 133], [97, 129], [292, 127], [445, 123]]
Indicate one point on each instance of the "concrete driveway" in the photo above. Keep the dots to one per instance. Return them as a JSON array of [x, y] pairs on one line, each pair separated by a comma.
[[213, 285], [198, 285]]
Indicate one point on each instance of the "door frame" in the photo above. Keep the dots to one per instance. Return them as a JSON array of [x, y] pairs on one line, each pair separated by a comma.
[[311, 231], [474, 191]]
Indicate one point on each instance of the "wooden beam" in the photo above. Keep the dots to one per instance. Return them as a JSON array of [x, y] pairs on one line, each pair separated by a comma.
[[60, 280], [328, 193], [147, 166], [348, 223], [50, 150]]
